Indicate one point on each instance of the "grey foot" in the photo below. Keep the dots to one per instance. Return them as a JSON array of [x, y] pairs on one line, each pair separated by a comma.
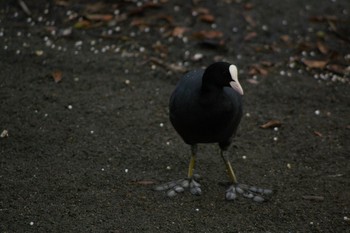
[[252, 192], [179, 186]]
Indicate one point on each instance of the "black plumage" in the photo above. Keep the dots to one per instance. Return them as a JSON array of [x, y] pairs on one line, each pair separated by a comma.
[[204, 108]]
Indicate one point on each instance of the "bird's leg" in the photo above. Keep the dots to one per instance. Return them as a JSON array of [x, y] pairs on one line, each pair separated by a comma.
[[255, 193], [191, 182]]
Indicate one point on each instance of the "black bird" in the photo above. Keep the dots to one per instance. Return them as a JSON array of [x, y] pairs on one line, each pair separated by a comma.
[[206, 107]]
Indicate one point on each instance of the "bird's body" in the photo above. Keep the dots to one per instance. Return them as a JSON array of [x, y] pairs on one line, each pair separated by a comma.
[[204, 116]]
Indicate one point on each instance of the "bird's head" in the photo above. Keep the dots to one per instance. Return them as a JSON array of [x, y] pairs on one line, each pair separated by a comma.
[[223, 74]]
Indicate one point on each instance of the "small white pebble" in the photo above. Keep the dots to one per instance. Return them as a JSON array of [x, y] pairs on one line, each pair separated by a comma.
[[102, 169], [264, 28], [197, 57], [161, 124], [247, 114], [31, 223], [346, 218], [70, 107], [317, 112], [78, 43], [275, 139], [142, 49], [197, 209], [275, 129], [311, 223], [18, 51], [168, 167], [127, 82], [46, 115], [126, 170], [235, 29], [4, 133], [289, 165], [244, 157], [282, 72], [167, 143], [92, 132]]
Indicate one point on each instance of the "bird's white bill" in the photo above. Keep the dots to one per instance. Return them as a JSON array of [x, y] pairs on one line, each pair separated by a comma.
[[235, 83], [237, 87]]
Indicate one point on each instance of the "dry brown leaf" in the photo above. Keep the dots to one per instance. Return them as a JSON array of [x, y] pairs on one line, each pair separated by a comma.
[[172, 67], [250, 36], [179, 31], [208, 34], [336, 68], [271, 124], [57, 76], [285, 38], [317, 133], [207, 18], [258, 70], [322, 47], [82, 24], [138, 22], [99, 17], [253, 81], [249, 19], [317, 64], [248, 6], [202, 10]]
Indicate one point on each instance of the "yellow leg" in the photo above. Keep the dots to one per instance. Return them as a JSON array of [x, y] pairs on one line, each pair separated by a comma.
[[192, 161], [229, 168]]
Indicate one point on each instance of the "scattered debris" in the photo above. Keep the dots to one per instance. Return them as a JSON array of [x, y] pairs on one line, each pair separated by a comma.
[[271, 124], [57, 76], [4, 134], [171, 67], [313, 198]]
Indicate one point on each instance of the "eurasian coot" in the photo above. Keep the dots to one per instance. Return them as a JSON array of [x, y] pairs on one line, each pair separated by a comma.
[[206, 107]]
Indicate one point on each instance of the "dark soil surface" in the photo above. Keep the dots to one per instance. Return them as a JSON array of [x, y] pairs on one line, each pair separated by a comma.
[[85, 135]]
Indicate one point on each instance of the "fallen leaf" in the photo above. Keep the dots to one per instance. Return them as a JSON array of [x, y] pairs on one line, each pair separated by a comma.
[[172, 67], [249, 19], [57, 76], [138, 22], [250, 36], [207, 18], [317, 64], [317, 133], [322, 47], [179, 31], [208, 34], [145, 182], [257, 69], [202, 10], [271, 124], [99, 17], [82, 24], [248, 6], [253, 81], [285, 38], [335, 68]]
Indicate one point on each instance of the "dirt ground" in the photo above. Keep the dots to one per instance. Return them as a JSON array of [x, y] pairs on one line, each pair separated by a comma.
[[85, 135]]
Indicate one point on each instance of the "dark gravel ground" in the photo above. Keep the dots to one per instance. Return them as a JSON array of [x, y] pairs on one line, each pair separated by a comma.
[[84, 89]]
